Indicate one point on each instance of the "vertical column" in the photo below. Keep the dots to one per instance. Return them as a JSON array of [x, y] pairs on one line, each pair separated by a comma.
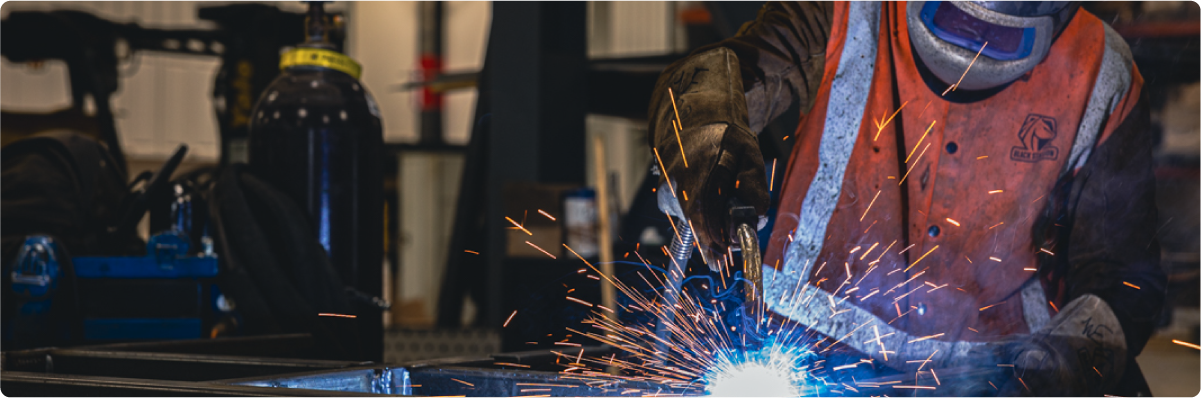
[[538, 102]]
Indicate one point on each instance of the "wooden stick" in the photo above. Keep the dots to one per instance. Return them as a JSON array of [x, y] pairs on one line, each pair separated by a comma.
[[604, 233]]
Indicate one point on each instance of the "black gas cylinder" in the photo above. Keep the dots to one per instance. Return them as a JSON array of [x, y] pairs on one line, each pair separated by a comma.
[[316, 135]]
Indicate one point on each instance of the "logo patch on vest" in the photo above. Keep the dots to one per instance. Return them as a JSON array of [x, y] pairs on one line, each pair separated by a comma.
[[1036, 135]]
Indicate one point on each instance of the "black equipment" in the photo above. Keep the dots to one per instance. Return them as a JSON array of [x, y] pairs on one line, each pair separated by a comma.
[[316, 135], [77, 193]]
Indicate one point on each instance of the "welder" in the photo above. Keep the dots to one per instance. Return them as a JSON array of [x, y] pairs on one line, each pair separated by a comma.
[[971, 183]]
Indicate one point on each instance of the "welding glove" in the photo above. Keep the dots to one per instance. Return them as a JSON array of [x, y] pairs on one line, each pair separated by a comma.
[[715, 156], [1081, 351]]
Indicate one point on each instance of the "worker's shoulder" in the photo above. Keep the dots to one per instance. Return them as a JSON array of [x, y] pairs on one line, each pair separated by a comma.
[[1117, 70], [1116, 49]]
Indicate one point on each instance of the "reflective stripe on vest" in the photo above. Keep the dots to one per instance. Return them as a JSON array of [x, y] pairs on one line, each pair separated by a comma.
[[848, 98]]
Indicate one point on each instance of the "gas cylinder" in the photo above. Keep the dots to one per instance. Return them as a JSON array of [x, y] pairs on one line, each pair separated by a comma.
[[316, 135]]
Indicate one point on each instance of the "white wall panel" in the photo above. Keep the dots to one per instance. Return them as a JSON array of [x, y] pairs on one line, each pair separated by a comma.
[[384, 40], [25, 88], [640, 28], [631, 28], [1181, 129], [466, 41], [385, 43]]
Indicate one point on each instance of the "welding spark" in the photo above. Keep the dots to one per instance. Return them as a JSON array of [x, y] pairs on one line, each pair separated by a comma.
[[579, 301], [775, 376], [336, 315], [668, 179], [969, 67], [919, 140], [919, 157], [919, 259], [678, 127], [1131, 285], [519, 226], [540, 211], [926, 337], [511, 364], [869, 206], [552, 256], [953, 222], [880, 126], [772, 184], [1187, 344], [510, 319]]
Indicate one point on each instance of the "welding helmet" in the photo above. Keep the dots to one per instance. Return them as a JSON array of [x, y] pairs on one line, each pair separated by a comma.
[[947, 35]]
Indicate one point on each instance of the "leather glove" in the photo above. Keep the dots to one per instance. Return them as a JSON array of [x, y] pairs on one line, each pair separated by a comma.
[[716, 157], [1080, 352]]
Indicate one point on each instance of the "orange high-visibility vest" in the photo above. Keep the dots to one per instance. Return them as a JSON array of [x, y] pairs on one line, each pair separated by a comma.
[[922, 222]]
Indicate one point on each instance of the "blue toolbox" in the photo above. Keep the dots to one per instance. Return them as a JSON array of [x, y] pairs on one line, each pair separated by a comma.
[[165, 294]]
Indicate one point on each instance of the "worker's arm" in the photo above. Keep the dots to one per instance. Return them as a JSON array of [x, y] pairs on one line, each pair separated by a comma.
[[1105, 272], [1113, 252], [723, 94]]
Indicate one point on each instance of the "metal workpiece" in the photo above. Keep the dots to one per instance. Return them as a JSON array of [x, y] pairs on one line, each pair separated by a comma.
[[130, 370], [272, 345], [460, 379], [183, 367], [494, 382], [359, 381], [160, 368], [373, 380], [41, 384]]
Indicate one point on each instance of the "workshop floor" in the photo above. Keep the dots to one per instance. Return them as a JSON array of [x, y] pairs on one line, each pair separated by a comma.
[[1171, 370]]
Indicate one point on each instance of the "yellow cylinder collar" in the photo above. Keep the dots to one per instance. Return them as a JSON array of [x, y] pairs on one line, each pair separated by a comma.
[[304, 56]]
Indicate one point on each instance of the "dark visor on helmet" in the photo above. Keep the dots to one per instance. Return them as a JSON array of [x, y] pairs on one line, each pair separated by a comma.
[[953, 25]]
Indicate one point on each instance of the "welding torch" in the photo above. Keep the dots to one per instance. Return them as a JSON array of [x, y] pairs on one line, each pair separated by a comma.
[[743, 236]]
